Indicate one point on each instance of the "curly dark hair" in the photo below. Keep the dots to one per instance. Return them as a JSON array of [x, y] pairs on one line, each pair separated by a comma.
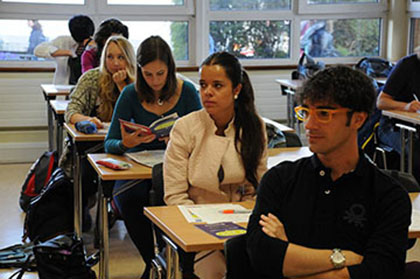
[[81, 27], [340, 85], [248, 125]]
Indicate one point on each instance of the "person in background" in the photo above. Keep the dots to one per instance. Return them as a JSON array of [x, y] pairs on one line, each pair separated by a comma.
[[109, 27], [156, 93], [36, 37], [63, 48], [94, 98], [334, 214], [401, 92], [217, 154]]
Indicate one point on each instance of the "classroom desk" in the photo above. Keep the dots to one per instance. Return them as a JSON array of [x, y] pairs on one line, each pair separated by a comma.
[[191, 239], [78, 142], [50, 92], [280, 126], [277, 155], [410, 125], [288, 87], [107, 178], [59, 109]]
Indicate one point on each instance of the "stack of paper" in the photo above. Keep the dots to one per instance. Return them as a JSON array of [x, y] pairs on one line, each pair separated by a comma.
[[215, 213]]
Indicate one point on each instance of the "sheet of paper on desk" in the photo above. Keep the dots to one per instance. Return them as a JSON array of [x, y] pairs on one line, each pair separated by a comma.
[[213, 213], [415, 220], [104, 129], [63, 88], [147, 157]]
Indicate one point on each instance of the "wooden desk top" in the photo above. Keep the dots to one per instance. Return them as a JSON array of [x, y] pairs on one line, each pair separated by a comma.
[[191, 239], [56, 90], [59, 106], [186, 235], [137, 171], [412, 117], [291, 83], [78, 136], [277, 155]]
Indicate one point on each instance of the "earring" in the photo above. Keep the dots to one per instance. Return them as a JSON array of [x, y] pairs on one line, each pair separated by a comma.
[[236, 97]]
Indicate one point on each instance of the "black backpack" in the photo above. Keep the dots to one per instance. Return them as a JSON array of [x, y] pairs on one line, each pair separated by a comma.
[[306, 70], [51, 213], [62, 257], [37, 178], [375, 67]]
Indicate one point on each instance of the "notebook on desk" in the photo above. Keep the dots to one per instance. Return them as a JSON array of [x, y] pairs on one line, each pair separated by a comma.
[[147, 157]]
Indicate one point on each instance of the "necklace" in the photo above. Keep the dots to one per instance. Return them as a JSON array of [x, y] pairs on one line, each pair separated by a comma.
[[160, 102]]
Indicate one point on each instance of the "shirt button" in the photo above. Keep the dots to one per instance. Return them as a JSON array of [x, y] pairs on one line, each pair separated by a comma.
[[322, 173], [327, 192]]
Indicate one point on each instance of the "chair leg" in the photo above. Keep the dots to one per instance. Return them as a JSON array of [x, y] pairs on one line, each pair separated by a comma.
[[383, 154]]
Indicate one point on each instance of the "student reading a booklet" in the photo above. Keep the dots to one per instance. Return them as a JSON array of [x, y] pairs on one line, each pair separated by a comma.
[[156, 93], [217, 154], [94, 98]]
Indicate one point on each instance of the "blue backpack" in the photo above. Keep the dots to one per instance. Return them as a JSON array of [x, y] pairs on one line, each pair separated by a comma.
[[375, 67]]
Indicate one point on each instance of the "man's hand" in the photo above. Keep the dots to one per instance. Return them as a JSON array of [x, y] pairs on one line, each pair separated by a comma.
[[413, 106], [272, 226], [133, 139]]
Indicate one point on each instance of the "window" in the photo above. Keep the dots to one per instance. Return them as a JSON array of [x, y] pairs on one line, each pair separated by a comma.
[[340, 37], [260, 32], [18, 43]]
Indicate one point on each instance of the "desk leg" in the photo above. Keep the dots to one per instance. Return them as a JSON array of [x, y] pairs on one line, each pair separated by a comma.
[[172, 260], [103, 233], [403, 130], [77, 191], [50, 127], [59, 129]]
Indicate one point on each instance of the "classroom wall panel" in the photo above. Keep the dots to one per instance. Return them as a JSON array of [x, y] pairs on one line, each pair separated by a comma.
[[23, 114]]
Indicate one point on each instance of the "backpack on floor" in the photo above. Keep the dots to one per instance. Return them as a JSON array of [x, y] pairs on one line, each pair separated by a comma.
[[51, 213], [63, 257], [18, 256], [37, 178]]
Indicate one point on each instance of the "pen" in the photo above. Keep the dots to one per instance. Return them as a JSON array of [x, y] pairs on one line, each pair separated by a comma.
[[232, 211], [415, 97]]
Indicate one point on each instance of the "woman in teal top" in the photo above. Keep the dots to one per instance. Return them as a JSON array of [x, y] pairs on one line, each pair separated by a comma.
[[156, 93]]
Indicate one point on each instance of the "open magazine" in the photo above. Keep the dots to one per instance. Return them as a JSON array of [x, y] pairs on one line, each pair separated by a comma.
[[161, 127], [147, 157]]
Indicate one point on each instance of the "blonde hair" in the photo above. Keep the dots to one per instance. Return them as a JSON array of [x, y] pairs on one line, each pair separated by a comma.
[[109, 92]]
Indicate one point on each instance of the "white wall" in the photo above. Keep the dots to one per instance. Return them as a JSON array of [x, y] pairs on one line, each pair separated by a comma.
[[23, 116]]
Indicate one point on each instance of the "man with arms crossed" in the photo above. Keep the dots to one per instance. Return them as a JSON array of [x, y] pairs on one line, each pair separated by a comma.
[[332, 215]]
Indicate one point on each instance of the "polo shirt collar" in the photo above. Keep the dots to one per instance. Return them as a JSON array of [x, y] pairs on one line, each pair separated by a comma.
[[360, 169]]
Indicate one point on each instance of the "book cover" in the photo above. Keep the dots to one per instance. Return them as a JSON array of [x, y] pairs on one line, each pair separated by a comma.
[[161, 127], [222, 230]]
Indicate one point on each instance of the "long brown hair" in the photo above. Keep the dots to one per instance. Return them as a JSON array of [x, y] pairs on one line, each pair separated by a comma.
[[151, 49], [108, 89], [248, 125]]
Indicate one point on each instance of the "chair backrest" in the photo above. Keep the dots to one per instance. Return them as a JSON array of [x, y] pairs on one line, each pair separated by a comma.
[[407, 180], [238, 265], [156, 192]]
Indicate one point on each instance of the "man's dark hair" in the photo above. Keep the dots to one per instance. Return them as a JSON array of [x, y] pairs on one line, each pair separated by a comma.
[[107, 28], [81, 27], [340, 85]]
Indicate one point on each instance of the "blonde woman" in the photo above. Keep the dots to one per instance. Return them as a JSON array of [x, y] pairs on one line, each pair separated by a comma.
[[94, 99]]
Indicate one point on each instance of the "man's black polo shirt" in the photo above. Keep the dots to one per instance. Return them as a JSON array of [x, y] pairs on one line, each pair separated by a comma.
[[364, 211]]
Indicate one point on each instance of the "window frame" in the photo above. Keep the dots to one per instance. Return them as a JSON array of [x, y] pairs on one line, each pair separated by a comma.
[[305, 8], [198, 15]]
